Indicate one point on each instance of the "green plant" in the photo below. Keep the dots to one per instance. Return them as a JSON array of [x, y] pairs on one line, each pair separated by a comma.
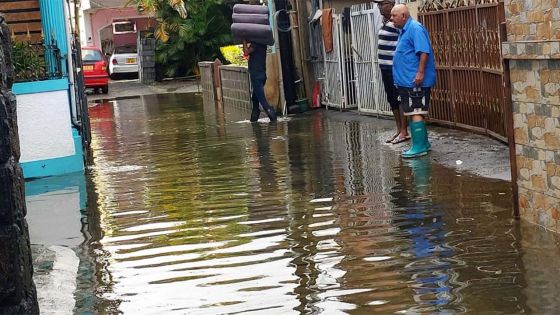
[[234, 55], [188, 32], [29, 63]]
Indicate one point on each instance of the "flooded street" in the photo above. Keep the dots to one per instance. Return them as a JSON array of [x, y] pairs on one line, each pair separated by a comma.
[[195, 211]]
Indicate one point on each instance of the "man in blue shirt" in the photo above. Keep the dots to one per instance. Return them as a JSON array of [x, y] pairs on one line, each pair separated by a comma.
[[414, 72]]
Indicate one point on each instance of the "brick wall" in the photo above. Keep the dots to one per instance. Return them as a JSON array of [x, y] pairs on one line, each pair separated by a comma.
[[533, 50]]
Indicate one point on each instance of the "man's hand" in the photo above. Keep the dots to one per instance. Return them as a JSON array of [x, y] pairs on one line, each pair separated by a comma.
[[419, 78], [247, 48], [421, 67]]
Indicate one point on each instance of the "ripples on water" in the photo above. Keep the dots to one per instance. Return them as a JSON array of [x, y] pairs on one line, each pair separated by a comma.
[[198, 214]]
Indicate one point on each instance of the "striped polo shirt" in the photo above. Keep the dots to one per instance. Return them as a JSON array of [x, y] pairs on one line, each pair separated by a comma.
[[386, 45]]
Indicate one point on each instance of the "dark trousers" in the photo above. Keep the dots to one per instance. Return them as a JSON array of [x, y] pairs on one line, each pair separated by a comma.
[[258, 81], [390, 88]]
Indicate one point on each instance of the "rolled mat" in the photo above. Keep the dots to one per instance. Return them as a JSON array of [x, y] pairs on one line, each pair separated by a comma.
[[268, 41], [250, 9], [250, 18], [259, 33]]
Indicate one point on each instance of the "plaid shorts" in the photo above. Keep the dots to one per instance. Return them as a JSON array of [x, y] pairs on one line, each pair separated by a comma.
[[414, 101]]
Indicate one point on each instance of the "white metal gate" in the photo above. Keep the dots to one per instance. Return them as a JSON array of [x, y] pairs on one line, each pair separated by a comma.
[[339, 84], [317, 54], [366, 21]]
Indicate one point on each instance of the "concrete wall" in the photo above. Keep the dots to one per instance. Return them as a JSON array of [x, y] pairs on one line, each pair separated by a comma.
[[44, 126], [533, 51], [50, 145], [95, 20]]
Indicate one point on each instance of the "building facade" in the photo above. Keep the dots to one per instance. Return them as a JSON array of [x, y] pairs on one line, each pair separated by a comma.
[[50, 130], [533, 53]]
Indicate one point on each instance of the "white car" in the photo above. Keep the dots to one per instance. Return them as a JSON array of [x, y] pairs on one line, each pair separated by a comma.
[[124, 60]]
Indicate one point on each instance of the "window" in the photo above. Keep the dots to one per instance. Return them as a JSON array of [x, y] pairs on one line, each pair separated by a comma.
[[124, 27], [91, 55], [125, 50]]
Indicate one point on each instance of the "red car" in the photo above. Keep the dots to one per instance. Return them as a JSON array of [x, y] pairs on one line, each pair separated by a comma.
[[95, 69]]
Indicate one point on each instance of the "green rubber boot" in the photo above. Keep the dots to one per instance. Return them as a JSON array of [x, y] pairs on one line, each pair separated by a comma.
[[428, 144], [419, 134]]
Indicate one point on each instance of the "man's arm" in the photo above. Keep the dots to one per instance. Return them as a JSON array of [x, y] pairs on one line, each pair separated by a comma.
[[421, 67], [247, 49]]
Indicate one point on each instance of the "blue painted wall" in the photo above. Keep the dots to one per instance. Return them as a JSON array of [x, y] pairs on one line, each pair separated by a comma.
[[40, 86], [59, 166]]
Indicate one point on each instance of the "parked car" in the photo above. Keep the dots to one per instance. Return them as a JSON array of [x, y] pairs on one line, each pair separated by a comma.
[[95, 69], [124, 60]]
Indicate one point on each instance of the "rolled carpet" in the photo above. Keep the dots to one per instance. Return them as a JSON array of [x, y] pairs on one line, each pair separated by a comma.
[[259, 33], [251, 18], [250, 9]]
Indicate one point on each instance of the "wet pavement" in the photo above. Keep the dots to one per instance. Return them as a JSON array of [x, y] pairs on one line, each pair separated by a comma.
[[193, 210], [56, 210]]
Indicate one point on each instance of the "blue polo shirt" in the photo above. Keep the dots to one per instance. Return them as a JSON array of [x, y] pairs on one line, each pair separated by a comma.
[[413, 40]]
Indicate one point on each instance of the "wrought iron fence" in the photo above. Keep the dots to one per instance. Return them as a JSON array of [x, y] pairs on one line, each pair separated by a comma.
[[36, 61], [466, 37]]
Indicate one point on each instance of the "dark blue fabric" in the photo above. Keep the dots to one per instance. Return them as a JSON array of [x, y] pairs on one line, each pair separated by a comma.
[[390, 88], [389, 37], [385, 57], [257, 59], [258, 81], [390, 29], [386, 47]]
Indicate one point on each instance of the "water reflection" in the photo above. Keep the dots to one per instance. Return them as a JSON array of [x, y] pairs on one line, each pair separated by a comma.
[[55, 206], [202, 213]]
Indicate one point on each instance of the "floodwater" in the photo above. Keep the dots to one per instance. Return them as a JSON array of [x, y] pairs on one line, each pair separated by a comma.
[[196, 211]]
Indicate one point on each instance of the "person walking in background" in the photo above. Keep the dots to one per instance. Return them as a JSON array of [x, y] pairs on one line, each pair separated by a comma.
[[257, 74], [414, 72], [386, 45]]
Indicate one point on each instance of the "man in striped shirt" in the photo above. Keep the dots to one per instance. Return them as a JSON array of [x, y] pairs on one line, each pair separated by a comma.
[[386, 45]]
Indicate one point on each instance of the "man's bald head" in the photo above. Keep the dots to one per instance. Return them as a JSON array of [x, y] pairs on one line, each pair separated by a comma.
[[399, 15]]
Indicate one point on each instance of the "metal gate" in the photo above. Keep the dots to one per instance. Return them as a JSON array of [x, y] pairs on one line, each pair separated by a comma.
[[339, 84], [317, 53], [366, 23], [467, 41]]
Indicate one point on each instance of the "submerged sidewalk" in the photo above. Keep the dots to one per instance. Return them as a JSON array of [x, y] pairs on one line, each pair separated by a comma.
[[461, 150]]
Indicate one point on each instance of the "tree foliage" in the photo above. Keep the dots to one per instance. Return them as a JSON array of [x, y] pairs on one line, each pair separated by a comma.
[[188, 31]]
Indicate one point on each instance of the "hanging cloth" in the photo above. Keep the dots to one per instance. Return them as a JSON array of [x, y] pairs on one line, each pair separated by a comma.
[[346, 19], [326, 25]]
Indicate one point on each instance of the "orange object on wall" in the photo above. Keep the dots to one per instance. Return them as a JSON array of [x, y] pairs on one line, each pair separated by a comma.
[[326, 27]]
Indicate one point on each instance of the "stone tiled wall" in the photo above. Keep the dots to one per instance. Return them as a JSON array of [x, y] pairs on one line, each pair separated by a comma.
[[533, 48], [528, 20]]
